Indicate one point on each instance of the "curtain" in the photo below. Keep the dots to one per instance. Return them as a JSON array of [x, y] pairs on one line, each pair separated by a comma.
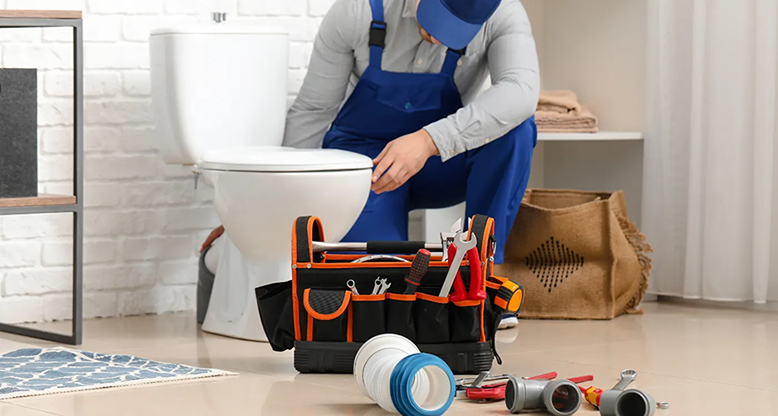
[[710, 207]]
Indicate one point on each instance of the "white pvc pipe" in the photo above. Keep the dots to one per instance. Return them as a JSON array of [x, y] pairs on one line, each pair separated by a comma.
[[377, 359]]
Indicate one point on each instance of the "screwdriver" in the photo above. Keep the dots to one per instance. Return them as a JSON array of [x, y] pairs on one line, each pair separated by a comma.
[[418, 269]]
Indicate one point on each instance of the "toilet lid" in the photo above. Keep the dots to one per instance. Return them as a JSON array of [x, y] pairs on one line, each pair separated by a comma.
[[283, 159]]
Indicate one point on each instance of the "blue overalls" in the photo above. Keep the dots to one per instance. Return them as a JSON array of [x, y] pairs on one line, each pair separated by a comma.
[[387, 105]]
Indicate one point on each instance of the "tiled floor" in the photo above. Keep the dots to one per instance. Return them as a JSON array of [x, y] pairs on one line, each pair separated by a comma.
[[704, 361]]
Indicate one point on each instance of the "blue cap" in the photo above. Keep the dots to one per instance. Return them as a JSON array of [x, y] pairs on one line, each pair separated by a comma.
[[454, 22]]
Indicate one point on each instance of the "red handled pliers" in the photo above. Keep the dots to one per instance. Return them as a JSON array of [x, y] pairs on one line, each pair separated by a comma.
[[497, 391], [476, 293]]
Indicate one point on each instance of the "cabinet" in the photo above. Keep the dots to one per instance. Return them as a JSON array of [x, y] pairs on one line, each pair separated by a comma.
[[51, 204]]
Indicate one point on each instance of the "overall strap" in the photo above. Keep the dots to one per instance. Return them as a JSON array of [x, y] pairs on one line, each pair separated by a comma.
[[377, 33], [450, 64]]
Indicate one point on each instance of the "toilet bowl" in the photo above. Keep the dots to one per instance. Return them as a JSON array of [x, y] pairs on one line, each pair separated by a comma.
[[219, 100]]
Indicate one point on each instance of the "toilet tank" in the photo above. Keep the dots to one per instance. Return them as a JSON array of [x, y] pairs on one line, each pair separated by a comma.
[[217, 85]]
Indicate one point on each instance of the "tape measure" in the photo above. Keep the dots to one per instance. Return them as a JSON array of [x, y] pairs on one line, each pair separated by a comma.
[[510, 297]]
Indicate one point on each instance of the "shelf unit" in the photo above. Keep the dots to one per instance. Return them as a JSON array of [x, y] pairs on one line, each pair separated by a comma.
[[53, 204], [595, 48], [593, 137]]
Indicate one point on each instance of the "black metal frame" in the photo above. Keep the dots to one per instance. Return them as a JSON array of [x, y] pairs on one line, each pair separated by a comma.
[[75, 338]]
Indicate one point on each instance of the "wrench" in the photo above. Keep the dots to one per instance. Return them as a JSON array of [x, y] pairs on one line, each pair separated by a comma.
[[462, 246], [447, 238], [627, 376], [377, 286]]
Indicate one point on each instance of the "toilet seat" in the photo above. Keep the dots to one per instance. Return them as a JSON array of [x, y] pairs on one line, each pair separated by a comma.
[[283, 159]]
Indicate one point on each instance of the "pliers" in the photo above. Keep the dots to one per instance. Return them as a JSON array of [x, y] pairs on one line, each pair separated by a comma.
[[497, 391], [476, 293]]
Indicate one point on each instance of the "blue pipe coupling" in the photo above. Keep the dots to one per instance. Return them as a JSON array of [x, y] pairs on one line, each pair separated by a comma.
[[391, 370]]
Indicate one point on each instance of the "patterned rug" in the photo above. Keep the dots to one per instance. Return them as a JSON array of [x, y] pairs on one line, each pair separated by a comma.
[[37, 371]]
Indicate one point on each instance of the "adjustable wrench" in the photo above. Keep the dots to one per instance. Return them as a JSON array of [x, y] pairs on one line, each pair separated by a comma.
[[462, 246]]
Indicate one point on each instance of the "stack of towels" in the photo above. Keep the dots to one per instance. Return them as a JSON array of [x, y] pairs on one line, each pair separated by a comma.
[[560, 112]]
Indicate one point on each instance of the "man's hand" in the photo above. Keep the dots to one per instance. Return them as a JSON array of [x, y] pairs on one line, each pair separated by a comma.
[[401, 159]]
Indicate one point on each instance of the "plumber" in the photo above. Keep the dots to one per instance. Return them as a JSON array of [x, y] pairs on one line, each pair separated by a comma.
[[401, 81]]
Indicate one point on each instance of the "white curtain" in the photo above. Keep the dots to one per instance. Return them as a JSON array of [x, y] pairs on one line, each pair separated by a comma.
[[710, 207]]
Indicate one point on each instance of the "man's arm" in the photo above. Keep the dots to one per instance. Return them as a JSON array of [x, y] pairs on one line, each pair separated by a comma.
[[512, 98], [325, 84]]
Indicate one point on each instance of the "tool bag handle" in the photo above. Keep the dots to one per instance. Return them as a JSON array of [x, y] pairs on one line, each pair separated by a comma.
[[306, 230]]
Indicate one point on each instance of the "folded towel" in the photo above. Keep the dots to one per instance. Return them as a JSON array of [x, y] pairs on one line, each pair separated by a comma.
[[554, 122], [559, 102]]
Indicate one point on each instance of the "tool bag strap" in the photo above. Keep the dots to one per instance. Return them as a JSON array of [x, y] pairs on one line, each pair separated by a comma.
[[482, 227], [307, 229]]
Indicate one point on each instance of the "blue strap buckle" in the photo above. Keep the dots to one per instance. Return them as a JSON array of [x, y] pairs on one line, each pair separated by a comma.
[[377, 33]]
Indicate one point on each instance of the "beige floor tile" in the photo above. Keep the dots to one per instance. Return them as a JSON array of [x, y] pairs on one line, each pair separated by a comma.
[[703, 360], [13, 410], [247, 394]]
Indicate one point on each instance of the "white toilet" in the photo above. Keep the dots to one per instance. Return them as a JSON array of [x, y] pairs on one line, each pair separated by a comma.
[[219, 98]]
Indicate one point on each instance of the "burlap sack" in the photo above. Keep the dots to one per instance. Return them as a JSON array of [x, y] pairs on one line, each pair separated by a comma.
[[577, 255]]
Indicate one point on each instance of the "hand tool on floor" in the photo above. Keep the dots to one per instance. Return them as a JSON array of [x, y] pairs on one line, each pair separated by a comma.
[[419, 268], [620, 402], [351, 284], [462, 246], [378, 247], [475, 390]]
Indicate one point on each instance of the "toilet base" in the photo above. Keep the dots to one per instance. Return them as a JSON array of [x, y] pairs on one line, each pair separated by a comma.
[[232, 307]]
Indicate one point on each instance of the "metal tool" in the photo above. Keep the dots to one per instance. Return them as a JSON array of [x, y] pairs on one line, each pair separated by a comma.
[[378, 257], [462, 246], [381, 286], [319, 246], [459, 287], [627, 377], [353, 286], [446, 239], [378, 285], [419, 268]]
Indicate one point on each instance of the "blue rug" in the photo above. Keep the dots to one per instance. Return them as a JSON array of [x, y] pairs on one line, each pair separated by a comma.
[[37, 371]]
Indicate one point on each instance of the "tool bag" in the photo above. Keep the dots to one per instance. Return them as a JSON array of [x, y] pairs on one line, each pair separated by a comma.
[[578, 254], [317, 314]]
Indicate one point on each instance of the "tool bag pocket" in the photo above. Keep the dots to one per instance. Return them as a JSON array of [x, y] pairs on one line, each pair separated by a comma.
[[399, 315], [465, 321], [327, 314], [368, 316], [275, 311], [432, 319]]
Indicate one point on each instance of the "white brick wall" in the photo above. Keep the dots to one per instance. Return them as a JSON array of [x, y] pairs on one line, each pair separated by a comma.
[[144, 221]]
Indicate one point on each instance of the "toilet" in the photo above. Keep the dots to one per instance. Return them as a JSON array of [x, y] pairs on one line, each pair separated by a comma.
[[219, 93]]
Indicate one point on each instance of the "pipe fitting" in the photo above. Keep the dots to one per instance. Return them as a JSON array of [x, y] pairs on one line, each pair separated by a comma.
[[391, 370], [627, 403], [558, 397]]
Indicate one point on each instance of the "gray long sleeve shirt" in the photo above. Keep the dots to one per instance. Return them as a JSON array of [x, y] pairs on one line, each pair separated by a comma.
[[504, 49]]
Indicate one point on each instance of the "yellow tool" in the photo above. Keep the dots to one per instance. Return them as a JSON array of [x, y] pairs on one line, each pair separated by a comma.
[[510, 297]]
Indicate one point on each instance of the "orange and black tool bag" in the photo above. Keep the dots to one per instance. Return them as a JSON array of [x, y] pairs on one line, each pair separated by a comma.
[[318, 315]]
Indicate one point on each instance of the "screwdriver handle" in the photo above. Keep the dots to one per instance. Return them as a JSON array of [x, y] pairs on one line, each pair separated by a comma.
[[419, 267]]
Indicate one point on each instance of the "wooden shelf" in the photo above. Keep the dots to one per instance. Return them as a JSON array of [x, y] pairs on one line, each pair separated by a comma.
[[582, 137], [39, 201], [40, 14]]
